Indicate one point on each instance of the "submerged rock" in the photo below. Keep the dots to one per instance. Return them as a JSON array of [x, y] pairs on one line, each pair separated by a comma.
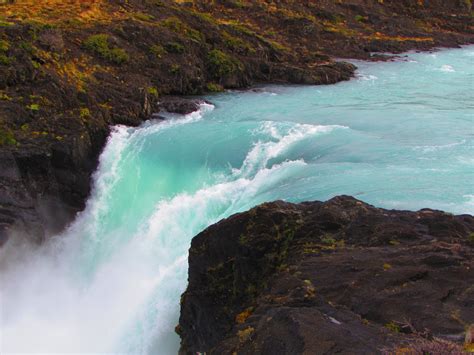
[[335, 277]]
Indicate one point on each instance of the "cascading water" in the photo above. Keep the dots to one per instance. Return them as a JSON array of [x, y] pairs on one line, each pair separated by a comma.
[[399, 136]]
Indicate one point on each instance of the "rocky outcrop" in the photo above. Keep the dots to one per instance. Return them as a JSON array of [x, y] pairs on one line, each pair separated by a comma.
[[323, 278], [180, 105]]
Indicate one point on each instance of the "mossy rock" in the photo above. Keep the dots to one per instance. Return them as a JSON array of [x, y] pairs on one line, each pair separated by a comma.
[[7, 137], [99, 44], [222, 64], [174, 47]]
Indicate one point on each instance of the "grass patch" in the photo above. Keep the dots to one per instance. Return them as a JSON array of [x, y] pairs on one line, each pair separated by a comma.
[[33, 107], [7, 137], [158, 51], [175, 69], [393, 327], [222, 64], [4, 46], [99, 44], [143, 17], [152, 91], [213, 87], [470, 238], [4, 58], [177, 26], [5, 97], [84, 113], [237, 44], [174, 47]]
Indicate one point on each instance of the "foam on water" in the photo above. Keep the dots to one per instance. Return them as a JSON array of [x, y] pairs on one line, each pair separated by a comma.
[[447, 68], [399, 136]]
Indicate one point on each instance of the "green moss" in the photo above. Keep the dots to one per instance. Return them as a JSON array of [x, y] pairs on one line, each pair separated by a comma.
[[468, 4], [470, 238], [33, 107], [142, 16], [152, 91], [177, 26], [84, 112], [222, 64], [99, 44], [28, 47], [276, 46], [7, 137], [251, 290], [359, 18], [175, 68], [212, 87], [204, 17], [35, 64], [4, 23], [392, 326], [5, 60], [238, 4], [5, 97], [174, 47], [243, 239], [118, 56], [239, 27], [327, 239], [237, 44], [158, 51], [4, 46]]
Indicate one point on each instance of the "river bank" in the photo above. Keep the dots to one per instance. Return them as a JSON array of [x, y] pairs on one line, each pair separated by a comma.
[[69, 72], [398, 136]]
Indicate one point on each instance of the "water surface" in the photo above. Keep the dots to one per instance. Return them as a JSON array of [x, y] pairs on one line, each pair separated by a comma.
[[400, 135]]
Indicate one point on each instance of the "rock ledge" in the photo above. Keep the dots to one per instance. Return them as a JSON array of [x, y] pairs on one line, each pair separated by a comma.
[[328, 277]]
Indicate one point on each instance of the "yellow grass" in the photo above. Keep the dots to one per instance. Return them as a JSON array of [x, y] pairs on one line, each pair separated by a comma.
[[60, 11], [384, 37]]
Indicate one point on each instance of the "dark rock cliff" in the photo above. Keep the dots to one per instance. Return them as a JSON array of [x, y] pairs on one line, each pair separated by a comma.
[[323, 278]]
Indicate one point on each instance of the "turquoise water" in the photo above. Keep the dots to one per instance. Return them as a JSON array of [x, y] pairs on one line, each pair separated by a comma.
[[400, 135]]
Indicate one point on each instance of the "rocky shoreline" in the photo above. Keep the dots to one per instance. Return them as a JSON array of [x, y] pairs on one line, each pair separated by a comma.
[[311, 278], [330, 277], [70, 71]]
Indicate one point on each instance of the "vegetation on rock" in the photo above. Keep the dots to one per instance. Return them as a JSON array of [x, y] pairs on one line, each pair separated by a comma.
[[103, 55], [99, 44], [269, 295]]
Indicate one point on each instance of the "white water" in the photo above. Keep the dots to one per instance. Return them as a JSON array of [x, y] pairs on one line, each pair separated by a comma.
[[400, 135]]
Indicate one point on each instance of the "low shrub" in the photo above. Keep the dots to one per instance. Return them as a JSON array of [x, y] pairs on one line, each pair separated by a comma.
[[7, 137], [212, 87], [99, 44], [174, 47], [222, 64]]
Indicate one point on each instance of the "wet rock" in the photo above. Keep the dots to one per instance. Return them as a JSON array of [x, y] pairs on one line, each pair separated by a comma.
[[335, 277], [180, 105]]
